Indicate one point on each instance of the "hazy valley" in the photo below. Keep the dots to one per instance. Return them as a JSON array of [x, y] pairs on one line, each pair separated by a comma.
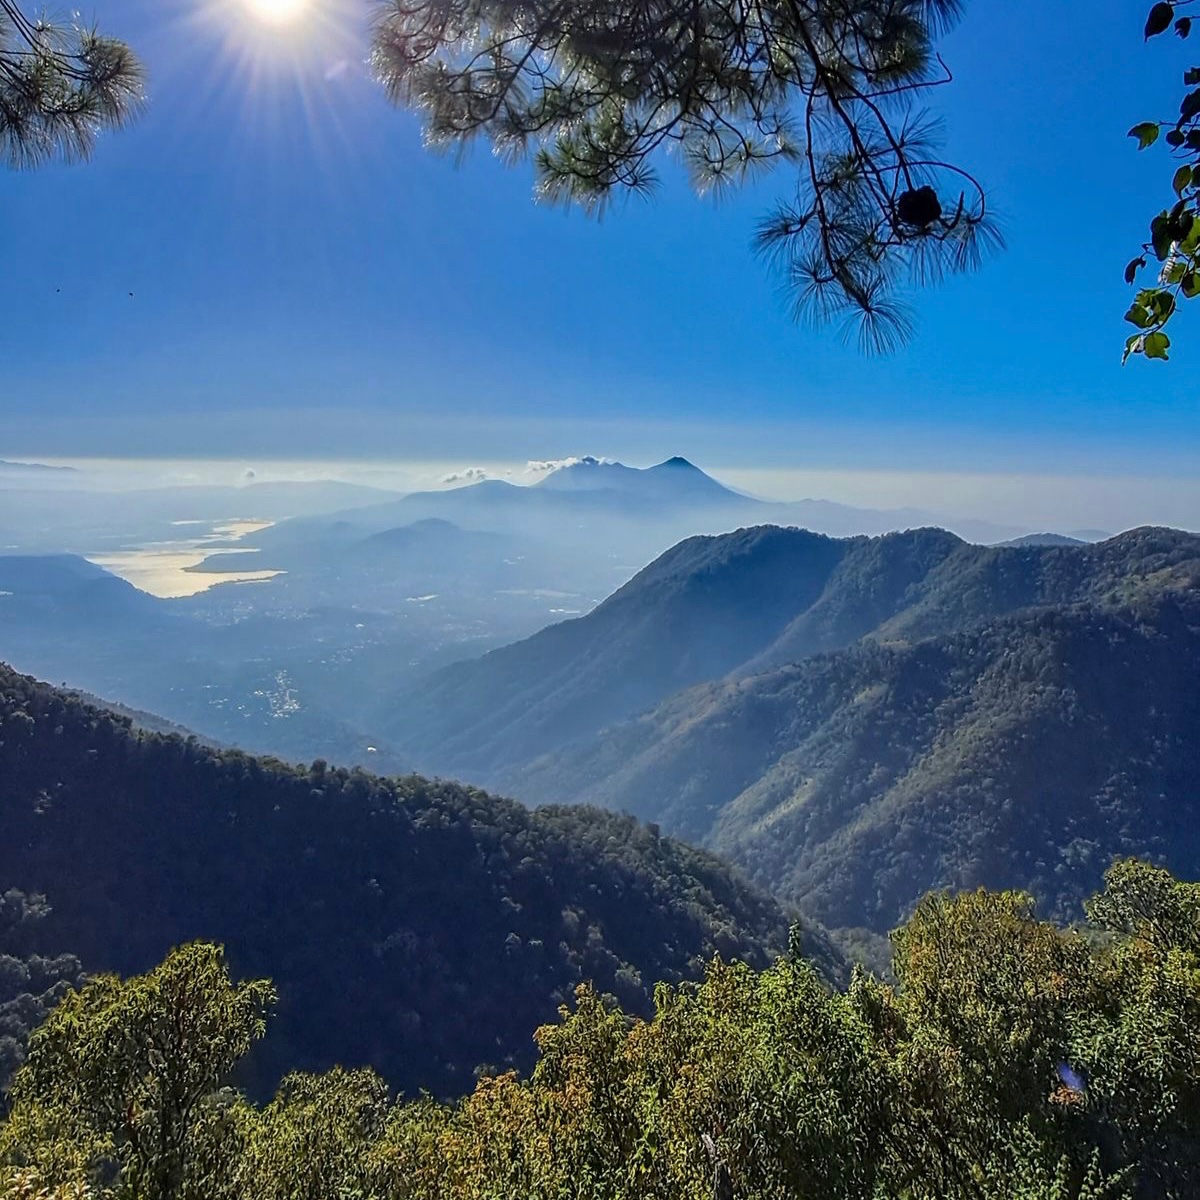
[[852, 710], [366, 591]]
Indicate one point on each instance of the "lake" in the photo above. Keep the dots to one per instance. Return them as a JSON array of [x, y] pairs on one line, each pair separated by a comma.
[[162, 568]]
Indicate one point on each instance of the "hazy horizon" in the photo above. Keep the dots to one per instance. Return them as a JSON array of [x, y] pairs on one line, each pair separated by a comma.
[[1038, 499]]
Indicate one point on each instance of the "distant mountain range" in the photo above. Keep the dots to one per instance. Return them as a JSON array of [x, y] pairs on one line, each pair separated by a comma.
[[430, 546], [673, 482], [1053, 539], [635, 513], [33, 468], [880, 716], [39, 519]]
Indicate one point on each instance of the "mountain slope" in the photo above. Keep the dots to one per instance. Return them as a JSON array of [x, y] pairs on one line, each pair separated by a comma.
[[46, 588], [421, 927], [874, 581], [695, 613], [748, 602], [1026, 753]]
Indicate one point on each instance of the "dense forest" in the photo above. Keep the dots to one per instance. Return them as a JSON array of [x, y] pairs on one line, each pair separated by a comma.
[[32, 981], [1010, 1060], [941, 715], [418, 927], [1028, 753]]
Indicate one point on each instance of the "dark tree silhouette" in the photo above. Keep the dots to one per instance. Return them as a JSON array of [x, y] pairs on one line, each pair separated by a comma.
[[595, 91], [61, 85]]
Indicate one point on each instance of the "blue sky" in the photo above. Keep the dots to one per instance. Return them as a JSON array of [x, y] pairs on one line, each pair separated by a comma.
[[308, 281]]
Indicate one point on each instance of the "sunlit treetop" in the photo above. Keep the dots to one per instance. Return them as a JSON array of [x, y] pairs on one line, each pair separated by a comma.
[[61, 85], [593, 92]]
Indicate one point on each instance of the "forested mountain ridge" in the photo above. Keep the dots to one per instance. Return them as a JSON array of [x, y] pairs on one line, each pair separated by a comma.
[[979, 583], [419, 927], [1025, 753], [746, 602], [693, 614]]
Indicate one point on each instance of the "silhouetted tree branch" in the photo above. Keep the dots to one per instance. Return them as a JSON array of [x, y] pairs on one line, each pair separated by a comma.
[[594, 91], [60, 86]]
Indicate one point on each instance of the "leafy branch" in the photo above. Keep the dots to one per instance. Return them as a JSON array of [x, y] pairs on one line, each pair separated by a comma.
[[1174, 242]]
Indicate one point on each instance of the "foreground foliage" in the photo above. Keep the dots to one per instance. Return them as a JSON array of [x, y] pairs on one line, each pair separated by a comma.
[[31, 981], [1012, 1059], [1174, 241]]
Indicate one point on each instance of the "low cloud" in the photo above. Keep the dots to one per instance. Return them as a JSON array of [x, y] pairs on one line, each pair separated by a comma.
[[545, 466], [468, 475]]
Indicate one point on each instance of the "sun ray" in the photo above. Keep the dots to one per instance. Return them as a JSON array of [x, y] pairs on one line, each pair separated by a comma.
[[277, 12]]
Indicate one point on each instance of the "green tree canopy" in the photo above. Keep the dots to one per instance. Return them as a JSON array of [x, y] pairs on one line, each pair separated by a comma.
[[61, 85], [31, 982], [123, 1077], [594, 92], [1011, 1059]]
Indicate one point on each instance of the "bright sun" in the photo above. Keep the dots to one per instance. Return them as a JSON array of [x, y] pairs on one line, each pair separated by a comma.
[[277, 12]]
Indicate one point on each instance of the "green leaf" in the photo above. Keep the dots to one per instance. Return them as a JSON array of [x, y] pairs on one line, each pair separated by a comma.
[[1137, 315], [1161, 236], [1163, 307], [1133, 345], [1183, 178], [1156, 345], [1183, 26], [1190, 105], [1146, 134], [1191, 77], [1159, 20], [1175, 138], [1135, 265], [1190, 285]]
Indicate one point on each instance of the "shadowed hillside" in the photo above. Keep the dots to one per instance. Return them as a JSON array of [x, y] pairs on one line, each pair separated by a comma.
[[695, 613], [423, 928], [1027, 753]]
